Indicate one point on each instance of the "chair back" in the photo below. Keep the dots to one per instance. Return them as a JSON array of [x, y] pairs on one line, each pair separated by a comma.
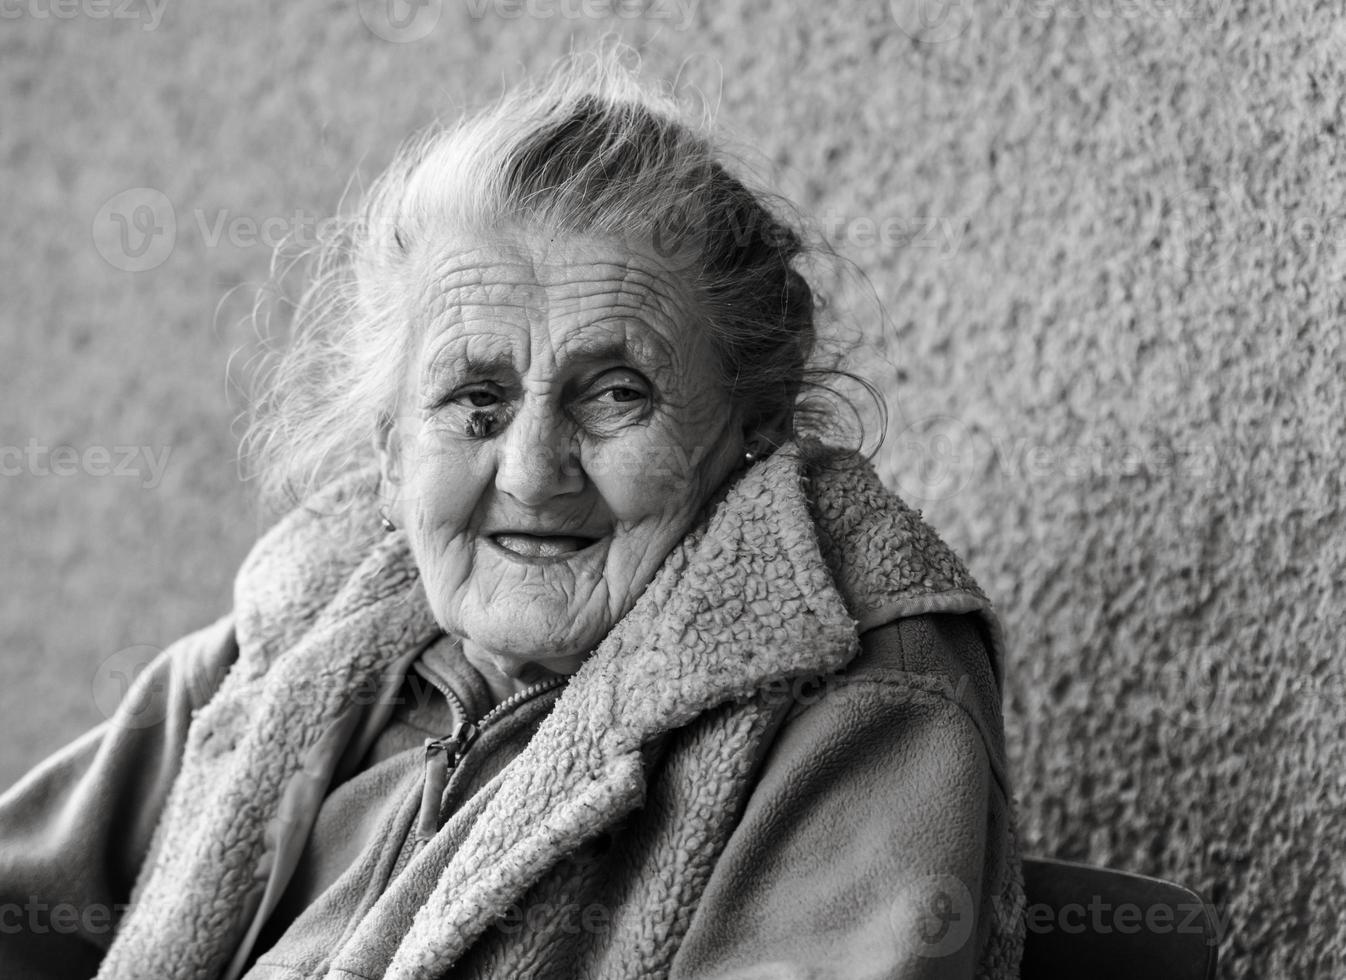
[[1083, 921]]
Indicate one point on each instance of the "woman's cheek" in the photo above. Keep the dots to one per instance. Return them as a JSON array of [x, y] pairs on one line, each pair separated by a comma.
[[443, 491], [634, 477], [655, 468]]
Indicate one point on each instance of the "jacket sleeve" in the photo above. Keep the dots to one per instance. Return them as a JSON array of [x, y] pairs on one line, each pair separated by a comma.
[[874, 844], [75, 830]]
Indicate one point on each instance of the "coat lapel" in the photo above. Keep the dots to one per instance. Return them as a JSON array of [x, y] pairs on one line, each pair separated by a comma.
[[744, 601], [213, 853]]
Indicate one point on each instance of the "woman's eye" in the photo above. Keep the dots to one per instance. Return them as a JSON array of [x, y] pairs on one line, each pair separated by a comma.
[[476, 398], [614, 399], [623, 394], [621, 387]]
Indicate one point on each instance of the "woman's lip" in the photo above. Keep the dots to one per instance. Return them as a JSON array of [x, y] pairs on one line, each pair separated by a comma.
[[541, 547]]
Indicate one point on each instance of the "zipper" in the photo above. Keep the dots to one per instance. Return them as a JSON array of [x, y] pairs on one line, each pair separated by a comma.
[[442, 755], [441, 758]]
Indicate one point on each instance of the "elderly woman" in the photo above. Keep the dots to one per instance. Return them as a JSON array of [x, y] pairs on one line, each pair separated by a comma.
[[582, 656]]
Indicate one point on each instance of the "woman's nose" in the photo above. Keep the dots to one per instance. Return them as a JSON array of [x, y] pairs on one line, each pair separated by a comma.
[[537, 457]]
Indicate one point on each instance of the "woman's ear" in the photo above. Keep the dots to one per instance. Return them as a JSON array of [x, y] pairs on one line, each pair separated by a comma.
[[388, 450], [764, 435]]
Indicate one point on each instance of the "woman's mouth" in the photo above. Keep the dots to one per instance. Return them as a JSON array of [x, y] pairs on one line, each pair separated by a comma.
[[541, 546]]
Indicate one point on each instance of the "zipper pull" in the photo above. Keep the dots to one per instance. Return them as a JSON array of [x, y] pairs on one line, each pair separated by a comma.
[[441, 756]]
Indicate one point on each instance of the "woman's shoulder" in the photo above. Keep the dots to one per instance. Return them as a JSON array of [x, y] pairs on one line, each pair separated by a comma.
[[932, 672], [888, 564], [949, 656]]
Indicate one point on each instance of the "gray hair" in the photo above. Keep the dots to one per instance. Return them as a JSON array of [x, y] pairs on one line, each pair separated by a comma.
[[587, 150]]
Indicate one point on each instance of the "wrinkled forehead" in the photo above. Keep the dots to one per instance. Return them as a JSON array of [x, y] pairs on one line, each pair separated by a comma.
[[551, 295]]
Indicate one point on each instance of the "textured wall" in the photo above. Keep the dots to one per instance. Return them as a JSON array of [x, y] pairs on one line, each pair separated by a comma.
[[1108, 237]]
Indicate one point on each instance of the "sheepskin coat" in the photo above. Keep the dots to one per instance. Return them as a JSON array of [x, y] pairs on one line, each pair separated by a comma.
[[647, 788]]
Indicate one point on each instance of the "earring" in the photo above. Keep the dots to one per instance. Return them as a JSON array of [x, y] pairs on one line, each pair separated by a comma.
[[386, 521], [752, 452]]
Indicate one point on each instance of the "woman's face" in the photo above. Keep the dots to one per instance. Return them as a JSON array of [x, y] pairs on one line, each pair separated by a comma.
[[560, 429]]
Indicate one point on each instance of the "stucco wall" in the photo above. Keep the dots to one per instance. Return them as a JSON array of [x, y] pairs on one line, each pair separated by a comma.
[[1107, 234]]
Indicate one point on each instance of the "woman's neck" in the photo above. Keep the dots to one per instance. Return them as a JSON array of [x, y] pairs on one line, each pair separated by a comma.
[[507, 675]]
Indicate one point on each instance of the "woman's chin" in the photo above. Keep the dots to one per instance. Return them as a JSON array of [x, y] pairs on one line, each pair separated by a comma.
[[535, 635]]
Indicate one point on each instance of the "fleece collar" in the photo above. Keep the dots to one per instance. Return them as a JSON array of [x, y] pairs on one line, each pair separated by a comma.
[[799, 555]]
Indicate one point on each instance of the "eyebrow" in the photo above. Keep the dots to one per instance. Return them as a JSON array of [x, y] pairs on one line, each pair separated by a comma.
[[477, 352], [641, 345], [596, 348], [477, 355], [491, 362], [603, 348]]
